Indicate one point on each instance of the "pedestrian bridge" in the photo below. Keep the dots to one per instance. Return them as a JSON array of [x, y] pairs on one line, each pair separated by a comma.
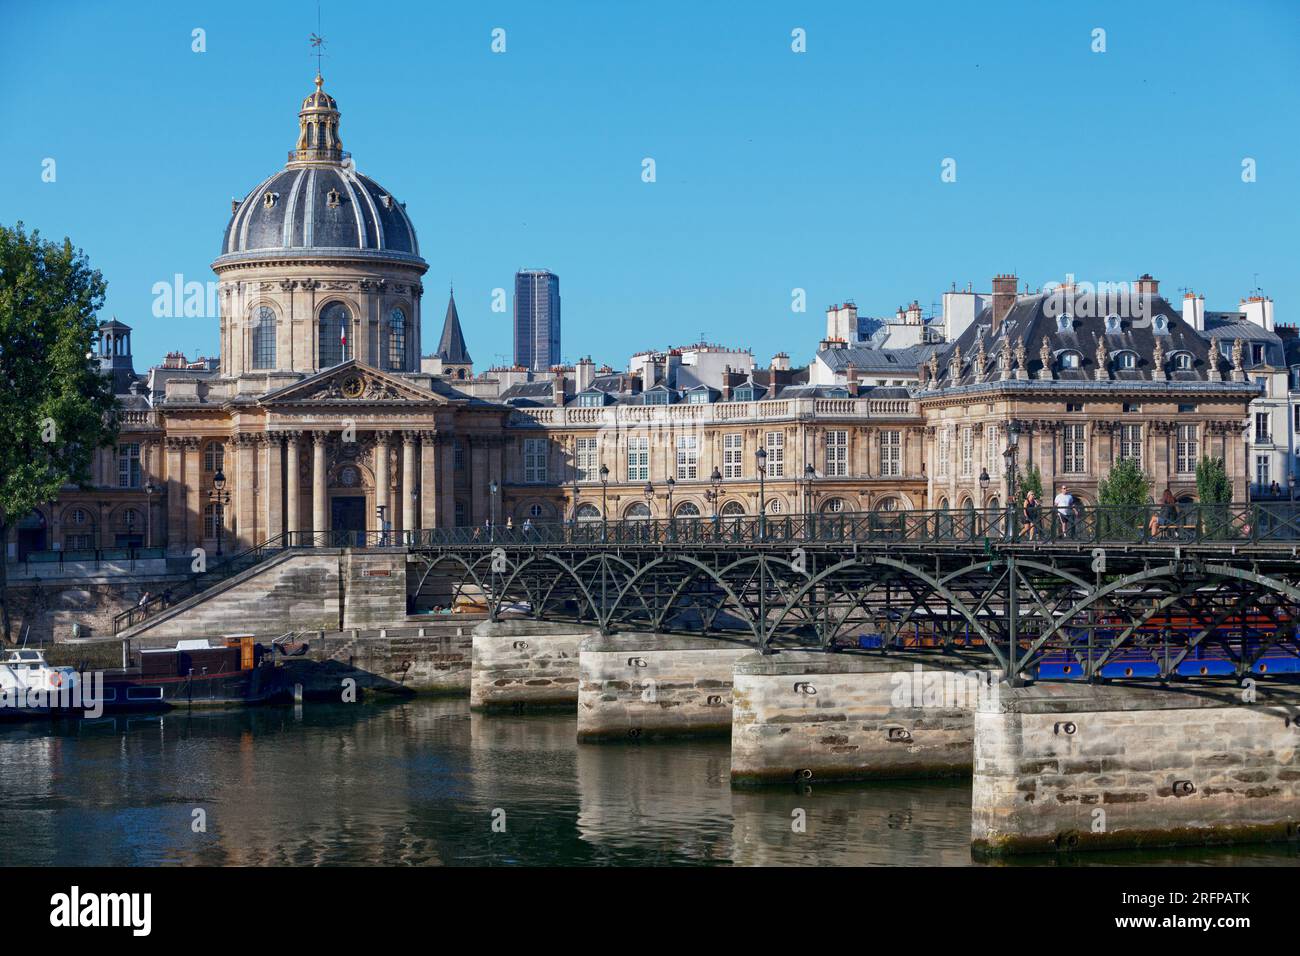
[[1100, 593]]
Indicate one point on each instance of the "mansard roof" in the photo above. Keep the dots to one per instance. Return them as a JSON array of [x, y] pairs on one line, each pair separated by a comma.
[[1063, 321]]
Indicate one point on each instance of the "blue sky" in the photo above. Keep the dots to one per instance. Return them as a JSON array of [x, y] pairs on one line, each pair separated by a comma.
[[775, 170]]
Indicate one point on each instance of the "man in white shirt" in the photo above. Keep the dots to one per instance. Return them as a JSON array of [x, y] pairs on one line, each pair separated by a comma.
[[1064, 502]]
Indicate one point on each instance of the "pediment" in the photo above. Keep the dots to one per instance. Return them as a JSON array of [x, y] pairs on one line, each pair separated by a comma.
[[351, 383]]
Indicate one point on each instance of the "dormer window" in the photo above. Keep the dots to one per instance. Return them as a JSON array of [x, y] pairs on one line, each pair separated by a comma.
[[1071, 359], [1126, 360], [591, 399], [656, 398], [743, 394], [1065, 323], [1112, 324], [269, 199], [700, 397], [1160, 325], [386, 202], [1182, 361], [332, 198]]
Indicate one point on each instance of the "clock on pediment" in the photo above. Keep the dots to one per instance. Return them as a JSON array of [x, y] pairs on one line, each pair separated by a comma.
[[354, 386]]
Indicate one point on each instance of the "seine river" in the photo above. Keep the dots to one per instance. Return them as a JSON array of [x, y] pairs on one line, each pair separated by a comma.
[[427, 782]]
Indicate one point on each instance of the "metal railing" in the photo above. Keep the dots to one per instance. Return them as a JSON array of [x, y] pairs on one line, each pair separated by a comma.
[[1264, 524], [241, 561], [1275, 525], [95, 556]]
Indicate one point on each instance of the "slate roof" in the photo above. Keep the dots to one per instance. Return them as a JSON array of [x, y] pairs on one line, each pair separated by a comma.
[[1036, 318], [451, 347], [874, 360]]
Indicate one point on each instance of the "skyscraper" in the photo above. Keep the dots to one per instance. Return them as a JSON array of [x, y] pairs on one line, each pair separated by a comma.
[[537, 319]]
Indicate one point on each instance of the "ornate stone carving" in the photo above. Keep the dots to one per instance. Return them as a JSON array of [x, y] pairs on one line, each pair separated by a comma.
[[1158, 361], [1045, 357], [1103, 370]]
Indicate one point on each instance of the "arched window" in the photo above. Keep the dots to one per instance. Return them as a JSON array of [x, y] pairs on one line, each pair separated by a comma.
[[887, 504], [1183, 361], [397, 340], [639, 511], [263, 329], [832, 506], [335, 332], [994, 504], [1070, 359], [1126, 360], [688, 509], [588, 512], [733, 509], [776, 506]]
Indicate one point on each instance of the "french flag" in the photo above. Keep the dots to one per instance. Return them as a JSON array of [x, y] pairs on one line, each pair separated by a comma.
[[343, 337]]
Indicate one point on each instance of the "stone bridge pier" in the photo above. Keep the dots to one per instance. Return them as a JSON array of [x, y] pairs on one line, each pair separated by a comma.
[[641, 685], [1061, 766], [802, 715]]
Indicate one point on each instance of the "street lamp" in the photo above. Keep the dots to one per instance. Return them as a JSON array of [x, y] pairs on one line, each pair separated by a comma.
[[760, 457], [715, 492], [493, 488], [219, 497], [649, 492], [149, 490], [604, 491], [672, 484], [809, 475], [1009, 458]]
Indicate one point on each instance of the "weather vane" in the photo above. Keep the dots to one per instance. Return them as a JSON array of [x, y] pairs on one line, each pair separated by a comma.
[[318, 43]]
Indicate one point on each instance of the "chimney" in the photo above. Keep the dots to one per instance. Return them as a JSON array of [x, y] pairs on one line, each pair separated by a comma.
[[1004, 297], [1147, 285], [851, 377], [584, 374], [1194, 311], [914, 313], [557, 387], [842, 322], [1259, 310], [634, 383], [781, 362]]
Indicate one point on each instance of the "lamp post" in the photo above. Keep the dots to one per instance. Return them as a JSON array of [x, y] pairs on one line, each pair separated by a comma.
[[1009, 459], [649, 492], [493, 488], [381, 514], [219, 497], [760, 458], [604, 493], [809, 475], [672, 484], [149, 490], [715, 491]]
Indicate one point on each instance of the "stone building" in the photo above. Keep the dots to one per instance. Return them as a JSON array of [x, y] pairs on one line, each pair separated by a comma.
[[1085, 380], [322, 413]]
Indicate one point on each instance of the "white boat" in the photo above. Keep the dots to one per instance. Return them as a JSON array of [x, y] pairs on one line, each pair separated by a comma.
[[29, 686]]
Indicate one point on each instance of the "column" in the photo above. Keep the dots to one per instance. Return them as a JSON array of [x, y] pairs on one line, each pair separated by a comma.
[[320, 520], [447, 480], [408, 481], [175, 492], [382, 478], [192, 508], [480, 500], [428, 480], [293, 498], [245, 531], [273, 486]]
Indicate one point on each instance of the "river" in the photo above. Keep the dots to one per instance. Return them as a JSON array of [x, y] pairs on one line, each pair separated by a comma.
[[426, 782]]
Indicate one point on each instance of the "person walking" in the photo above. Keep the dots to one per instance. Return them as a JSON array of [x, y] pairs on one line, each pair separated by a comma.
[[1064, 502], [1031, 509]]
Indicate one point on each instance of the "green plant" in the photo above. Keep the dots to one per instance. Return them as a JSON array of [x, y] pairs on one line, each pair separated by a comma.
[[55, 405]]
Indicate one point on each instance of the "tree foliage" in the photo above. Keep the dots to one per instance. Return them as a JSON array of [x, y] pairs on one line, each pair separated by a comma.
[[1213, 486], [55, 405], [1126, 485], [1031, 479]]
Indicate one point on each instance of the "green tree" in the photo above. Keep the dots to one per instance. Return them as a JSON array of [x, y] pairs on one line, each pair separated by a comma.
[[1212, 484], [1214, 490], [55, 405], [1031, 479], [1127, 484], [1124, 495]]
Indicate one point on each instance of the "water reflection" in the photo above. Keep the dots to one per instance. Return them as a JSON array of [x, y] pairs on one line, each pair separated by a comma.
[[426, 782]]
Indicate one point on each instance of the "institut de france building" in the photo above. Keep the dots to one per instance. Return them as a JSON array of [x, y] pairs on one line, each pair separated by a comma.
[[320, 416]]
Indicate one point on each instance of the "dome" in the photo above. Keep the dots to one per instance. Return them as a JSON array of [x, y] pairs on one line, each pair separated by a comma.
[[319, 205], [320, 209]]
